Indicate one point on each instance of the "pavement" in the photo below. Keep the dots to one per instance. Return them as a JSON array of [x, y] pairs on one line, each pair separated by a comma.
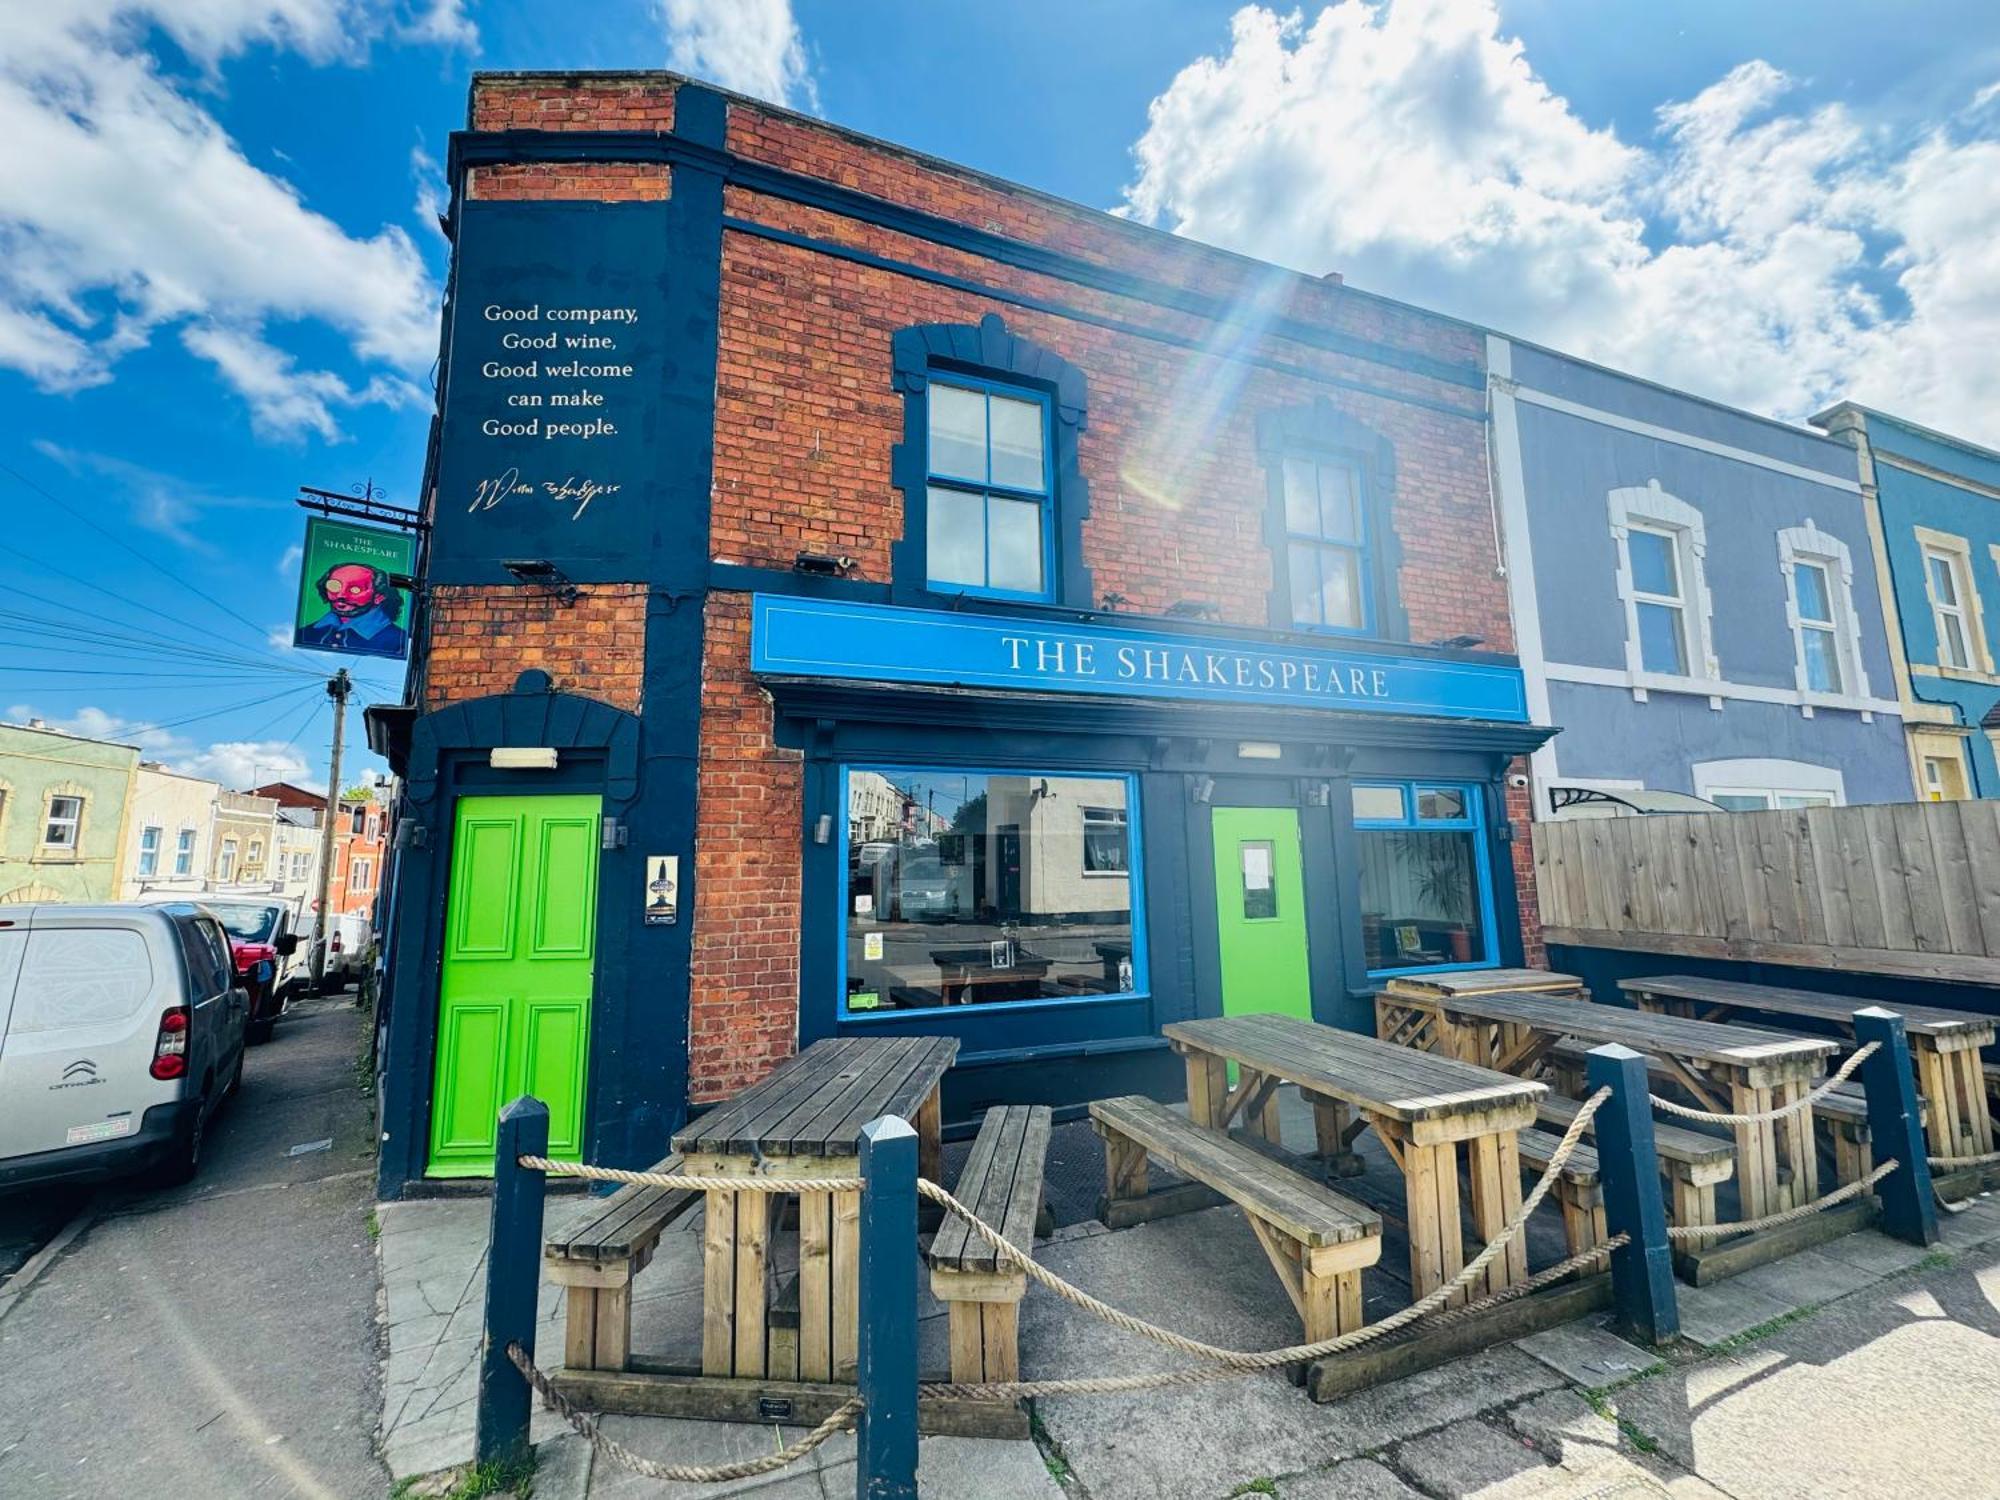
[[1864, 1368], [218, 1339]]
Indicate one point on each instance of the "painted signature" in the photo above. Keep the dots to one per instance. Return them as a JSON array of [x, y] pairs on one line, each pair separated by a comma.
[[487, 493]]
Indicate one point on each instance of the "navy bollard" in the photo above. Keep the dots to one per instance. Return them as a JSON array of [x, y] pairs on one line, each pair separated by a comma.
[[1896, 1128], [513, 1278], [887, 1436], [1642, 1270]]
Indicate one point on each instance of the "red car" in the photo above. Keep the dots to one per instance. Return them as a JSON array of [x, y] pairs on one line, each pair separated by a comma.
[[258, 938]]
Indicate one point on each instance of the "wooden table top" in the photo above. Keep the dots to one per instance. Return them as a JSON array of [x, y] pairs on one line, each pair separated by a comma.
[[1921, 1020], [1643, 1031], [1380, 1077], [1477, 981], [815, 1104]]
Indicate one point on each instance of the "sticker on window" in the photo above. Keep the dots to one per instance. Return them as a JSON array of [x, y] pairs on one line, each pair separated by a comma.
[[98, 1130], [871, 947]]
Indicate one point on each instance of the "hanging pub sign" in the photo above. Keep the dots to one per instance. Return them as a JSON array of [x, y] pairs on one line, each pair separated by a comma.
[[349, 599]]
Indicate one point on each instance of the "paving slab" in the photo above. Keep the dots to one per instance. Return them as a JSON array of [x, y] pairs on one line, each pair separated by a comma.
[[1711, 1314], [671, 1440], [1473, 1457], [562, 1468], [1587, 1354], [1807, 1278], [1357, 1479], [1568, 1429], [1871, 1250]]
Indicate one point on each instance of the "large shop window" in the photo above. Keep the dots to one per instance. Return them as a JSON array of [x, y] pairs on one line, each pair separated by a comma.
[[988, 888], [1426, 891], [987, 522]]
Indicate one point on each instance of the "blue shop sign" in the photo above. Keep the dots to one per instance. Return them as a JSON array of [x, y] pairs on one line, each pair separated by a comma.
[[794, 637]]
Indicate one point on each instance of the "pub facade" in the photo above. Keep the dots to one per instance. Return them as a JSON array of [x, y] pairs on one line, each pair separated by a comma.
[[863, 596]]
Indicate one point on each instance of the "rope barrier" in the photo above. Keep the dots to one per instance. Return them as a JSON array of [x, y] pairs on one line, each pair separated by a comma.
[[839, 1420], [1952, 1163], [1245, 1361], [688, 1182], [1760, 1117], [1771, 1221]]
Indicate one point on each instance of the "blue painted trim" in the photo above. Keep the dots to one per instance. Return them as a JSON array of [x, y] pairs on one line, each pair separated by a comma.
[[1135, 861], [808, 638], [1069, 312], [488, 148], [1474, 823], [986, 354]]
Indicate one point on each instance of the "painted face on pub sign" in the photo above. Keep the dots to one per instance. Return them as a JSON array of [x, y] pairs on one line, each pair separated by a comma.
[[351, 588]]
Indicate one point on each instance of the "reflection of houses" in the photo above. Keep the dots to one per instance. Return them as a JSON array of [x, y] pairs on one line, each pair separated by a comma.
[[875, 808], [62, 814], [1074, 857], [168, 846]]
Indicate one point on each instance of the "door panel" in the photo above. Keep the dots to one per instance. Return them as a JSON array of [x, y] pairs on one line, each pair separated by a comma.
[[518, 970], [1260, 911]]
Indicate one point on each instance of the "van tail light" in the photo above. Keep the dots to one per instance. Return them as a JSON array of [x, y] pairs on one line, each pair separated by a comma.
[[336, 943], [170, 1051]]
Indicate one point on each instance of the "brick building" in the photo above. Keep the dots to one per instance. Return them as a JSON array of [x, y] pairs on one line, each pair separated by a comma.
[[865, 596]]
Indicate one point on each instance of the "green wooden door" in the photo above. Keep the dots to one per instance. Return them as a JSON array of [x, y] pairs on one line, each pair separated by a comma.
[[1260, 911], [520, 947]]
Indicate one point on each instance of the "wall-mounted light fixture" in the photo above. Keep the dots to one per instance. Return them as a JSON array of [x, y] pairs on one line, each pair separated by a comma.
[[822, 564], [539, 572], [1460, 642], [1259, 750], [1202, 788], [522, 757], [823, 828]]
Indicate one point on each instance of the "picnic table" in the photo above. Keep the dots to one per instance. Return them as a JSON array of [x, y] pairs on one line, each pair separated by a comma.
[[1406, 1008], [1944, 1044], [803, 1120], [1423, 1107], [1728, 1069]]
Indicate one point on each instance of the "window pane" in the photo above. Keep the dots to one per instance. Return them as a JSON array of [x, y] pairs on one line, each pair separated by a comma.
[[958, 432], [1260, 880], [1017, 444], [977, 889], [1654, 568], [1014, 552], [955, 538], [1340, 516], [1303, 559], [1301, 498], [1814, 601], [1341, 597], [1805, 799], [1951, 641], [1944, 580], [1378, 803], [1660, 646], [1440, 802], [1822, 661], [1420, 900], [1742, 801]]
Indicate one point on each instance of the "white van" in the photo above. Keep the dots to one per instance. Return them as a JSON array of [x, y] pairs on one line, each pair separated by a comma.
[[121, 1034]]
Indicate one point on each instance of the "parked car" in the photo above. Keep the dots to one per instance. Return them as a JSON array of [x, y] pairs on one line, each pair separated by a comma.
[[264, 947], [348, 949], [121, 1035]]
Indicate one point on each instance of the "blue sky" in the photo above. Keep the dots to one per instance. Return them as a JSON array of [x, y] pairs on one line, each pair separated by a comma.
[[219, 262]]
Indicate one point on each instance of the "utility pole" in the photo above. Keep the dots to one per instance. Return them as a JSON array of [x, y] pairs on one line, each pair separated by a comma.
[[338, 687]]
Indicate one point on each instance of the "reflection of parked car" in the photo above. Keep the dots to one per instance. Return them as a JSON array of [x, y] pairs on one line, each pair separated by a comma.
[[923, 889], [121, 1034]]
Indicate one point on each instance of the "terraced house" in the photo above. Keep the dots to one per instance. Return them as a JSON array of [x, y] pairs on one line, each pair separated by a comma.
[[864, 596]]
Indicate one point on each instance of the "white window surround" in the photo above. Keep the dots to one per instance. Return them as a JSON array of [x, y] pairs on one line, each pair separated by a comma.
[[1808, 544], [1754, 775], [1957, 553], [1652, 508]]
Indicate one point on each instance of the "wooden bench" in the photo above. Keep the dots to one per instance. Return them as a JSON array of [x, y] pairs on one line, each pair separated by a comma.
[[1579, 1190], [1002, 1184], [1318, 1242], [1692, 1161], [595, 1262], [1844, 1113]]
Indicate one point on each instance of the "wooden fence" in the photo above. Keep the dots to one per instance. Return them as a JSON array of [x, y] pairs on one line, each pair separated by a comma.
[[1908, 889]]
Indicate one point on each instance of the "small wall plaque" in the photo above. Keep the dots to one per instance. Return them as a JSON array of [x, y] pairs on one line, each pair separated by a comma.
[[663, 889]]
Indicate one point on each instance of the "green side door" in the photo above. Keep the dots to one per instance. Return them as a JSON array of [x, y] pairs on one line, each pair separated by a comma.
[[520, 950], [1260, 911]]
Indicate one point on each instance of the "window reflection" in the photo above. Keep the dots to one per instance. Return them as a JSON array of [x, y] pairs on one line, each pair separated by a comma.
[[965, 888]]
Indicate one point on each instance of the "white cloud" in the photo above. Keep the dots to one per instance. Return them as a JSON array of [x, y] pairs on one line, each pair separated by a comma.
[[285, 400], [126, 207], [445, 23], [1755, 250], [156, 501], [751, 46], [427, 178], [236, 764]]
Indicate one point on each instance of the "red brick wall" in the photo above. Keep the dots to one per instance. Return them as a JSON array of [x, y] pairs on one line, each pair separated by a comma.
[[559, 102], [1521, 812], [483, 636]]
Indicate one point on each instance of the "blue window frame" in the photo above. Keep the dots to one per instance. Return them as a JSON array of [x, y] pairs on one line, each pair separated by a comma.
[[1326, 544], [1001, 890], [989, 488], [1426, 885]]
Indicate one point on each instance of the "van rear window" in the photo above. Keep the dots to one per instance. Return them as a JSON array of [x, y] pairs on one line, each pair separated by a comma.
[[81, 976]]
